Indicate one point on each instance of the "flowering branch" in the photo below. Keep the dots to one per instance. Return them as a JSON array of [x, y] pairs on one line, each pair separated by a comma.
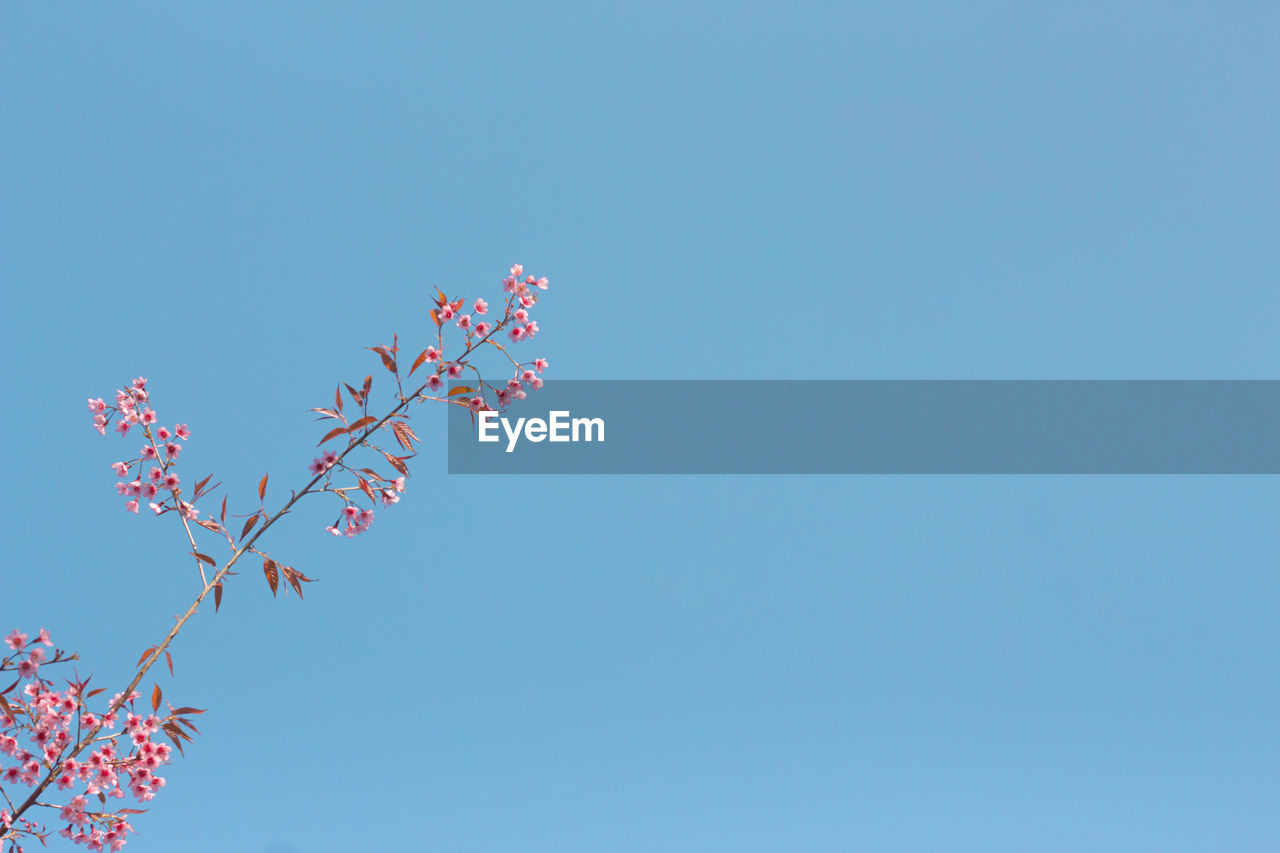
[[47, 715]]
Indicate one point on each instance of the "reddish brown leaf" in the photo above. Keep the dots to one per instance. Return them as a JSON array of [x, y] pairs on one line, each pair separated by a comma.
[[209, 524], [396, 463], [155, 698], [403, 434], [363, 422], [248, 525], [333, 433], [169, 659], [185, 710], [200, 485], [387, 361], [457, 304], [420, 360], [205, 558], [262, 487], [461, 389], [133, 811], [441, 299], [435, 316], [224, 509], [93, 693], [270, 569], [145, 655], [368, 383], [217, 596], [366, 488]]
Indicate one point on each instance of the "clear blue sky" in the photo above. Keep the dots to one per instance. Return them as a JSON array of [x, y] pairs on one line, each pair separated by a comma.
[[232, 199]]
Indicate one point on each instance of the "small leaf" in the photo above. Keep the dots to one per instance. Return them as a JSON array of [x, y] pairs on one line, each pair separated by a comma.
[[337, 398], [363, 422], [185, 710], [435, 316], [248, 525], [402, 434], [420, 360], [461, 389], [366, 488], [224, 509], [396, 463], [368, 383], [200, 485], [387, 361], [205, 558], [169, 658], [262, 487], [270, 569], [441, 299], [217, 596], [155, 698], [93, 693], [145, 655], [333, 433]]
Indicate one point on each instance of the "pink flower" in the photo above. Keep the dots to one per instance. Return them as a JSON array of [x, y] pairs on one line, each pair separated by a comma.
[[433, 354], [481, 307], [445, 312], [350, 511], [16, 639], [150, 491], [517, 270], [527, 376], [464, 322], [134, 488], [122, 470], [527, 300], [536, 383], [37, 654], [330, 458], [542, 283], [476, 403], [148, 417], [189, 511], [540, 364], [182, 431], [455, 370], [389, 497], [139, 383], [521, 315], [122, 427], [43, 637], [530, 329], [132, 505], [398, 484], [335, 531], [483, 329], [171, 481], [172, 450], [509, 285], [148, 452], [516, 334], [163, 433], [156, 508], [155, 474], [98, 407], [434, 383], [316, 467]]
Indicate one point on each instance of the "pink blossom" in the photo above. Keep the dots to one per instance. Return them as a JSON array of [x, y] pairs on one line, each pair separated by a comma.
[[148, 417], [434, 383], [464, 321], [398, 484], [540, 364], [182, 432], [97, 406], [132, 505], [139, 383], [521, 315], [476, 403], [171, 481], [433, 354], [155, 474], [156, 508], [527, 300], [455, 369], [122, 427], [122, 470], [16, 639], [542, 283], [316, 467], [517, 270], [530, 329], [335, 531], [43, 637], [483, 329], [509, 285], [172, 450], [133, 488], [445, 312], [148, 452], [516, 334], [536, 383], [163, 433], [481, 307]]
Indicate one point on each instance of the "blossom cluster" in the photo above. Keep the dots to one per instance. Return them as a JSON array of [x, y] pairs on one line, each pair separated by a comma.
[[159, 453], [38, 747]]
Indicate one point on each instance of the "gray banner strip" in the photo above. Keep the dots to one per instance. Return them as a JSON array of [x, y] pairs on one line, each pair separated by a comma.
[[879, 427]]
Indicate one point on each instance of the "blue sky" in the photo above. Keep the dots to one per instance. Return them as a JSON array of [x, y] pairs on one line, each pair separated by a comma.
[[232, 200]]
